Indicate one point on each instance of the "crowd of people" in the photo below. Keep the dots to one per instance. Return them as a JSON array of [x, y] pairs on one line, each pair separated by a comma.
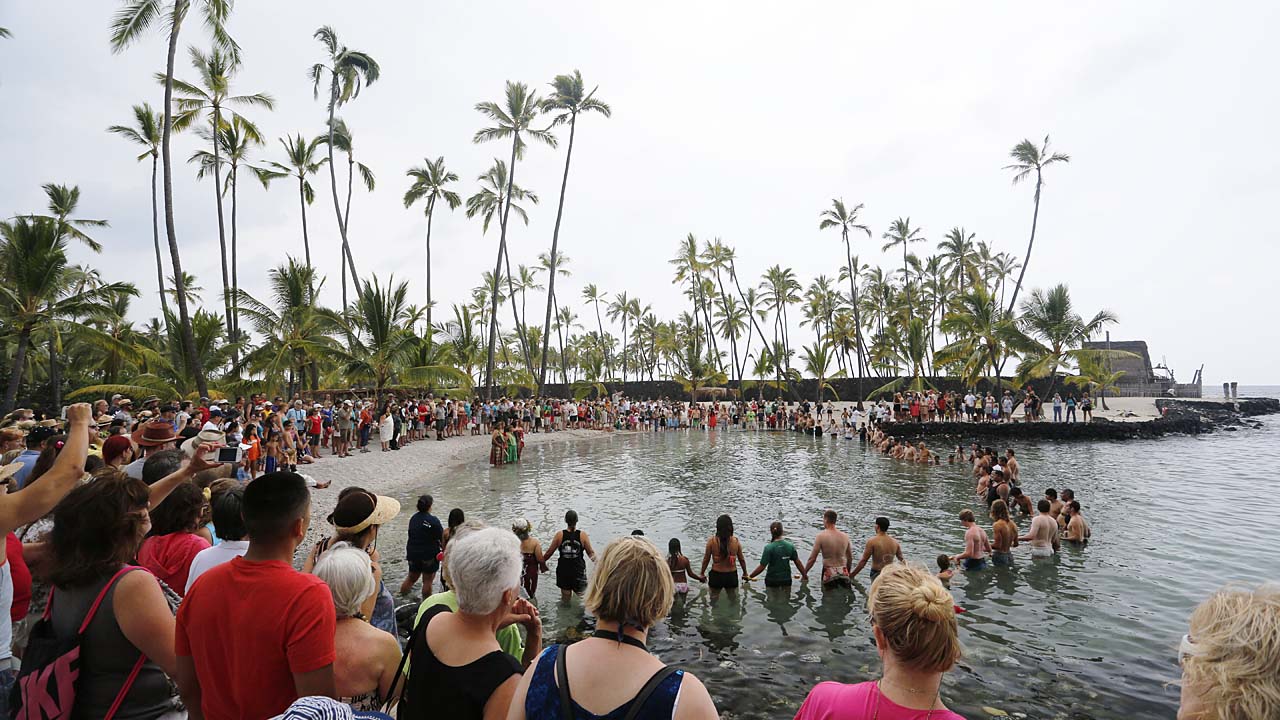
[[147, 576]]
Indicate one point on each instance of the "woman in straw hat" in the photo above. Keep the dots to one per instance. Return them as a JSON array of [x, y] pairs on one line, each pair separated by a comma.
[[356, 520]]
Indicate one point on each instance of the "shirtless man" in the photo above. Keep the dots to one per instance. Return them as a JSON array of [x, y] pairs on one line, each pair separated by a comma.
[[976, 544], [1067, 495], [984, 482], [1043, 535], [837, 553], [1055, 505], [881, 550], [1078, 529], [1011, 469], [1020, 501]]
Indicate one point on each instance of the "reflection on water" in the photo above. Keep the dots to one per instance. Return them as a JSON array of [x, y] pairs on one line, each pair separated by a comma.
[[1090, 634]]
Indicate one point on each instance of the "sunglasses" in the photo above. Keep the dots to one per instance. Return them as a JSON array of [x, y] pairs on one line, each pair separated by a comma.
[[1187, 648]]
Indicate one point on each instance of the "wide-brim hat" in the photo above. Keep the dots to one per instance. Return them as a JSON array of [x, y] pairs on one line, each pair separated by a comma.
[[156, 432], [204, 436], [360, 510], [8, 471], [105, 420]]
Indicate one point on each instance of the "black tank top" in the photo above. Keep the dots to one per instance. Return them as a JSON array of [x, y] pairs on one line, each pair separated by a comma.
[[436, 690], [571, 546]]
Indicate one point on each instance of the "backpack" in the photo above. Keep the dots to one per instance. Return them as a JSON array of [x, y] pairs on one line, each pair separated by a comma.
[[46, 685]]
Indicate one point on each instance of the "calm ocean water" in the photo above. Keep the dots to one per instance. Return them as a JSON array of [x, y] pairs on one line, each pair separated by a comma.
[[1092, 634]]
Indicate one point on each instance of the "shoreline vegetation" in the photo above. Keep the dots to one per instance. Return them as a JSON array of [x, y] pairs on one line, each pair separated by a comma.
[[954, 307]]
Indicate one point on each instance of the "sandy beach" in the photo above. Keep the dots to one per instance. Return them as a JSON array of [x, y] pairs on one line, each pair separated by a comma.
[[386, 473]]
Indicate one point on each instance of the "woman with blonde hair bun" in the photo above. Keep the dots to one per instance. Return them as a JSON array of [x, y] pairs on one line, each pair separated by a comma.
[[914, 621], [1231, 658], [611, 673]]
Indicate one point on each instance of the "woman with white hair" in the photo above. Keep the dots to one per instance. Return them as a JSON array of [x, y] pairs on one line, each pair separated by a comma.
[[366, 656], [459, 670]]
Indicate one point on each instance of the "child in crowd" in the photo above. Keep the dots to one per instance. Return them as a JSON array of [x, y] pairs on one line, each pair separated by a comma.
[[945, 572]]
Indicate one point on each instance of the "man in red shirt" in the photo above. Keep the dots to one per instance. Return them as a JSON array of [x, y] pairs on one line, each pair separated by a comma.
[[254, 634]]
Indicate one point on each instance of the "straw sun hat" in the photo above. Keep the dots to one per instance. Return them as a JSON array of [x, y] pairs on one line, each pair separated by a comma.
[[360, 509]]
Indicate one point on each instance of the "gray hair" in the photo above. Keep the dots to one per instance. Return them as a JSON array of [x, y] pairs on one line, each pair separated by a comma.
[[348, 572], [483, 564]]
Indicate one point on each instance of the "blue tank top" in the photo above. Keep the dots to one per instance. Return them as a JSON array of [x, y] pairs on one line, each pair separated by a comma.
[[543, 699]]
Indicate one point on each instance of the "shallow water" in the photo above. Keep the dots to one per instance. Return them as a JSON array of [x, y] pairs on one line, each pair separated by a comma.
[[1091, 634]]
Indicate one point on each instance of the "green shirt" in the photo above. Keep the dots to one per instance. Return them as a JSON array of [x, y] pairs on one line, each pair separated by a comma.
[[777, 558], [509, 638]]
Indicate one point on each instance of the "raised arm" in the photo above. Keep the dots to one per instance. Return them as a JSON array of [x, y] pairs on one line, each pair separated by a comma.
[[185, 472], [37, 499]]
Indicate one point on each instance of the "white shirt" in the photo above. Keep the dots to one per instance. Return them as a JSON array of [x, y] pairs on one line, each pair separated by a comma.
[[211, 557], [134, 469], [6, 602]]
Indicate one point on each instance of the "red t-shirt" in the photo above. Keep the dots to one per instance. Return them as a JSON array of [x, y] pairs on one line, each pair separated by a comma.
[[21, 578], [317, 424], [248, 626]]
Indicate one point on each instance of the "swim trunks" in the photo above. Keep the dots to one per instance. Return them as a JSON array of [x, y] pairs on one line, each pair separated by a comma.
[[717, 580], [1002, 559], [835, 577], [875, 574], [682, 588], [1041, 551], [975, 563]]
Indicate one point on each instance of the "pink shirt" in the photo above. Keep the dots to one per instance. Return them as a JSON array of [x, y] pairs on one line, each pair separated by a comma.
[[837, 701]]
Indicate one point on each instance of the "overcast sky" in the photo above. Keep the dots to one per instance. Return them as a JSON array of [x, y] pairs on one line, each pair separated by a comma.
[[731, 119]]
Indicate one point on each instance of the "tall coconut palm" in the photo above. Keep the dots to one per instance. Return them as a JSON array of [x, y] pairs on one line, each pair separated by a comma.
[[64, 201], [985, 335], [491, 200], [210, 98], [348, 71], [592, 295], [846, 218], [40, 288], [430, 183], [345, 142], [128, 25], [901, 233], [512, 120], [237, 138], [959, 257], [301, 162], [146, 133], [1028, 159], [567, 100]]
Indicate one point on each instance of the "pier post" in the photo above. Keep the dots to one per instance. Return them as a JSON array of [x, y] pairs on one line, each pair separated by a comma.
[[1226, 390], [1234, 388]]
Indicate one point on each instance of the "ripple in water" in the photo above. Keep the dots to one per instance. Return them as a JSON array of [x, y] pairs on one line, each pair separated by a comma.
[[1092, 634]]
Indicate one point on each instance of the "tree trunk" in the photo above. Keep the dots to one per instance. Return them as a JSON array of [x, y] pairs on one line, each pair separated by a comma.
[[235, 275], [222, 232], [55, 373], [337, 208], [857, 315], [431, 205], [188, 335], [515, 315], [1035, 217], [608, 362], [497, 270], [16, 368], [302, 201], [555, 257], [155, 236]]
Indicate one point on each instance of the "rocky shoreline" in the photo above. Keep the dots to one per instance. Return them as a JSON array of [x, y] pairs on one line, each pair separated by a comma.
[[1177, 417]]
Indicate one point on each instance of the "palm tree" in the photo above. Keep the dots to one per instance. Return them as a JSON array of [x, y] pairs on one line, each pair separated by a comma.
[[348, 70], [464, 339], [345, 142], [490, 200], [128, 25], [620, 309], [592, 295], [146, 133], [846, 218], [959, 257], [1095, 376], [190, 287], [430, 182], [64, 200], [901, 233], [1059, 332], [296, 332], [985, 336], [817, 360], [212, 95], [236, 138], [514, 121], [40, 288], [4, 33], [301, 163], [568, 98], [1027, 159]]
